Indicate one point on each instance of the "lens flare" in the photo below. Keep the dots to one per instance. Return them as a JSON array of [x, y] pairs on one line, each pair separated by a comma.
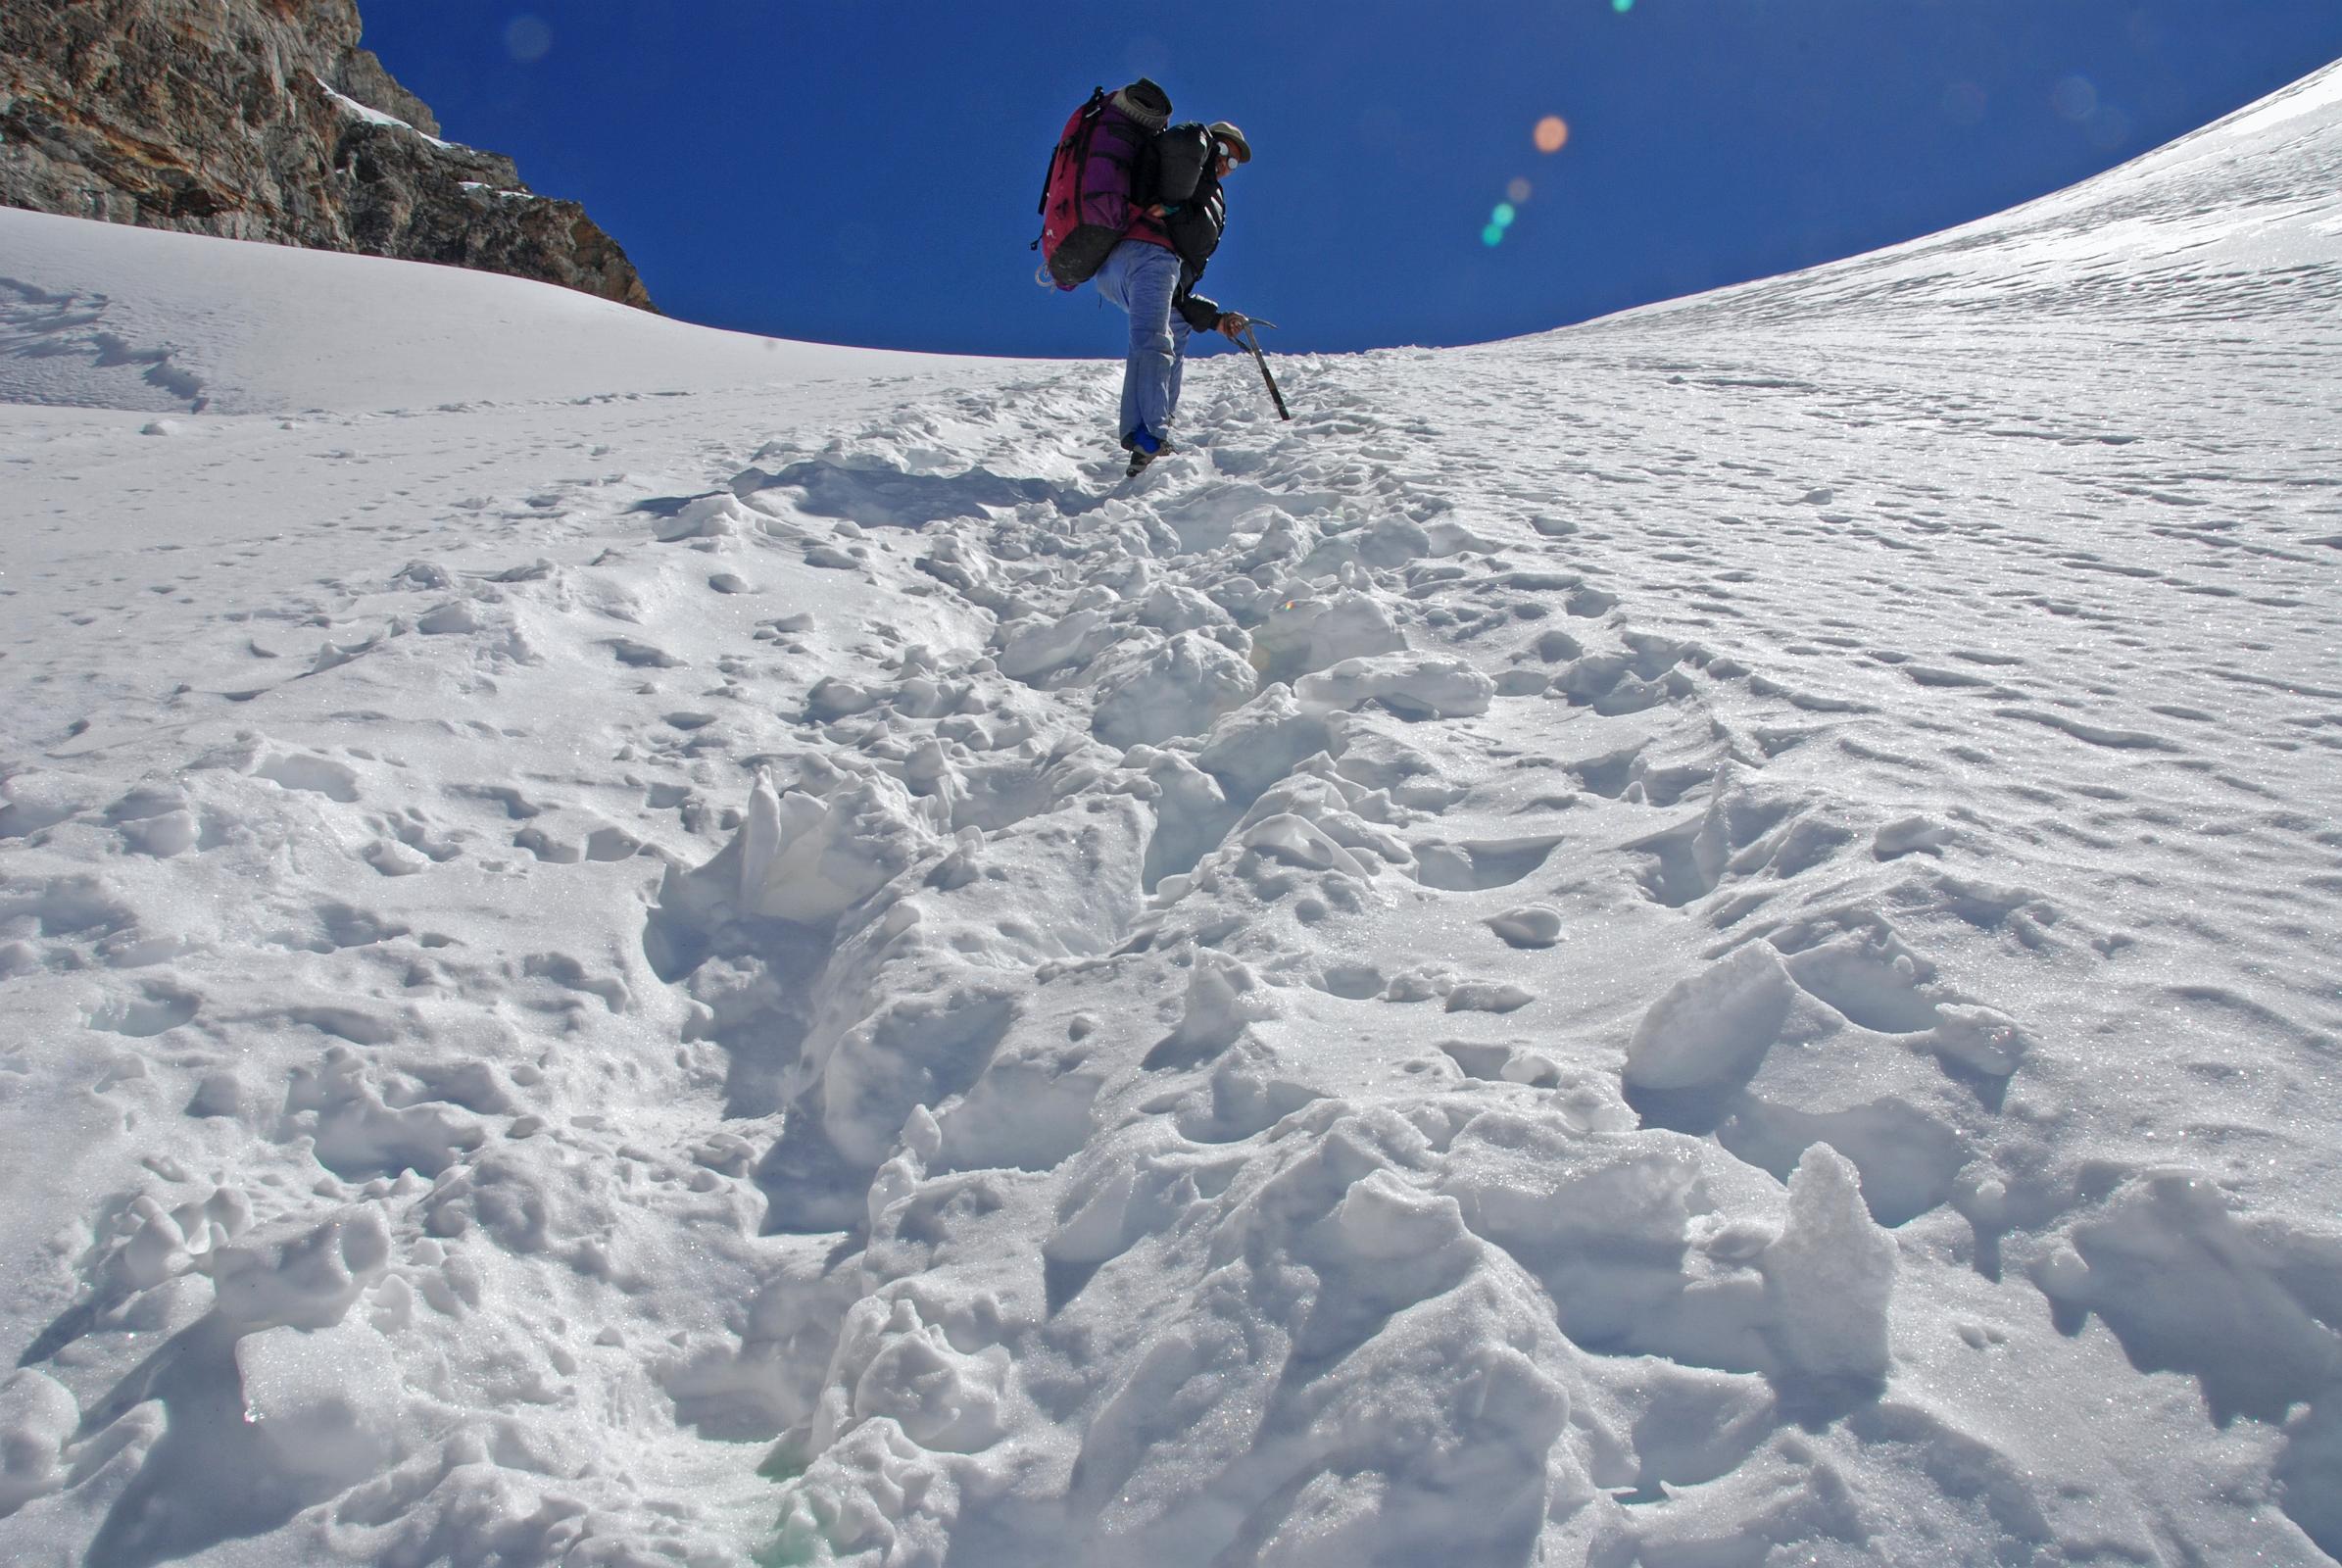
[[1503, 216], [528, 39], [1622, 7], [1492, 236], [2075, 98], [1552, 133], [1518, 191]]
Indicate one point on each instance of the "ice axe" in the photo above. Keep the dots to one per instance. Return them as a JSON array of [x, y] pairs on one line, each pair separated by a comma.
[[1252, 341]]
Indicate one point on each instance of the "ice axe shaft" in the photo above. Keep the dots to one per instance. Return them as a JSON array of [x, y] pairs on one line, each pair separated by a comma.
[[1253, 341]]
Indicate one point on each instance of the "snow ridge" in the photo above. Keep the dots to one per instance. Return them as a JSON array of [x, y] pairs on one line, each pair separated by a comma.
[[37, 326]]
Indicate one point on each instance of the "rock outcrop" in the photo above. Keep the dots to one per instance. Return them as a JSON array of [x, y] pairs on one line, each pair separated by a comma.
[[263, 119]]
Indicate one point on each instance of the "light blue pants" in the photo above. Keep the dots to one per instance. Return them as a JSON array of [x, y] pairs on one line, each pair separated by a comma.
[[1142, 279]]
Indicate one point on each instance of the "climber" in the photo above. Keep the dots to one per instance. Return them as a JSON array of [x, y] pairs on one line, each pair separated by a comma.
[[1180, 212]]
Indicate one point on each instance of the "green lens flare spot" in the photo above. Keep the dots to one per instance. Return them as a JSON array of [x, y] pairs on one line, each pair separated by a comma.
[[1622, 7], [1503, 216], [1493, 234]]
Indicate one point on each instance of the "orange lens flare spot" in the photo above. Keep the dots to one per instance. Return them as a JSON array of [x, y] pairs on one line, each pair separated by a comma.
[[1552, 133]]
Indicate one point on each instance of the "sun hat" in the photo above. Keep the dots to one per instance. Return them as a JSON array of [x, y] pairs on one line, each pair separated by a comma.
[[1222, 130]]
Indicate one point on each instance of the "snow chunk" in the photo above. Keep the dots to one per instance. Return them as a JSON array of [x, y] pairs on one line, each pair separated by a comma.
[[1038, 644], [38, 1416], [1224, 998], [716, 516], [1262, 741], [327, 1401], [303, 1276], [2188, 1284], [1831, 1273], [1981, 1038], [1180, 689], [1532, 926], [1412, 686], [1295, 840], [1311, 634], [805, 858], [910, 1372], [1715, 1026]]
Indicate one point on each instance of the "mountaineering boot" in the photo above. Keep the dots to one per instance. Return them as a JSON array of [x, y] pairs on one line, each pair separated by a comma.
[[1144, 449]]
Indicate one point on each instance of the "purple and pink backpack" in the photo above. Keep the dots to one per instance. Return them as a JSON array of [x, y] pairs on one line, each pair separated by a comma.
[[1086, 204]]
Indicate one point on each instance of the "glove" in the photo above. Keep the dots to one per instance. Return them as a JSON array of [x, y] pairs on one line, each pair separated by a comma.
[[1231, 325]]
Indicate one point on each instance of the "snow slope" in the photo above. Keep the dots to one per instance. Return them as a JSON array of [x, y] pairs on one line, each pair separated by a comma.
[[1703, 940], [148, 321]]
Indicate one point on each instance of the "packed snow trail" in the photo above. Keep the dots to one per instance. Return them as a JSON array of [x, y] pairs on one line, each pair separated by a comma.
[[1696, 939]]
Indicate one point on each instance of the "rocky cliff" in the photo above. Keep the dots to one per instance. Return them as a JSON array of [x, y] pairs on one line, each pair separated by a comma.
[[263, 119]]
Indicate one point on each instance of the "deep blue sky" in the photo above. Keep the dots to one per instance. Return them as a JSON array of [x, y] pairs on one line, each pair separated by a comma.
[[867, 170]]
